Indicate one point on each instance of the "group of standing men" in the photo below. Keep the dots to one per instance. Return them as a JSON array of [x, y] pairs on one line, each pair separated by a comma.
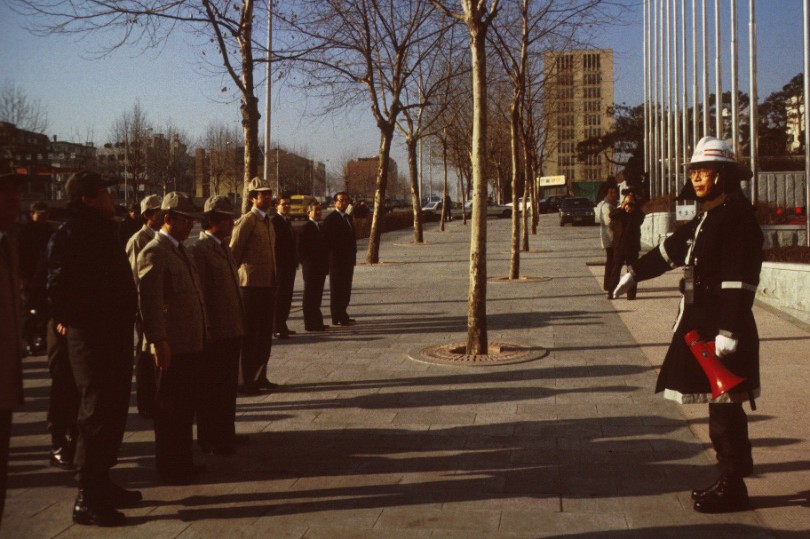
[[204, 317]]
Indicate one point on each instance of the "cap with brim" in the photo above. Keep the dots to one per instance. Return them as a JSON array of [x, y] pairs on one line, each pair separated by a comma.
[[86, 183], [177, 202], [257, 184], [151, 202], [220, 204]]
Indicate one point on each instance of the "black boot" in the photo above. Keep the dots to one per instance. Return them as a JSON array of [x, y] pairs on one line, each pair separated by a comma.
[[728, 495], [90, 509]]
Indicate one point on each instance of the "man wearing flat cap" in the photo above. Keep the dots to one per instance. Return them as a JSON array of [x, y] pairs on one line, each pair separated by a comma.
[[253, 246], [144, 362], [219, 368], [93, 304], [11, 351], [173, 314]]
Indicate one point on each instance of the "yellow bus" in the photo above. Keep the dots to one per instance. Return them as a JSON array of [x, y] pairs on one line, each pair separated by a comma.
[[299, 205]]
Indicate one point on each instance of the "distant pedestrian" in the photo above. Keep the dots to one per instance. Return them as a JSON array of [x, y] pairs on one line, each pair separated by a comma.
[[721, 252], [131, 223], [313, 251], [93, 303], [339, 229], [626, 221], [218, 371], [173, 314], [253, 248], [602, 210], [144, 361], [11, 351], [32, 239], [286, 264]]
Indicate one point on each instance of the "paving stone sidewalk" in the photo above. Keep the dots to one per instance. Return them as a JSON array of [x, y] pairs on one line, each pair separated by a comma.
[[361, 441]]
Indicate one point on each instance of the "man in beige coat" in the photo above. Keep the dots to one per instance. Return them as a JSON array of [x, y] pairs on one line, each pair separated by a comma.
[[11, 350], [173, 313], [219, 369], [144, 362], [253, 247]]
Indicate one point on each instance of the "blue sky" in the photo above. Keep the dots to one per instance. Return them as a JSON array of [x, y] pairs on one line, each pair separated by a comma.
[[83, 97]]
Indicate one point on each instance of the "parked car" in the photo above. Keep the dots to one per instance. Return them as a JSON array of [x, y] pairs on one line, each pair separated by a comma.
[[576, 211], [551, 204], [432, 211], [493, 210]]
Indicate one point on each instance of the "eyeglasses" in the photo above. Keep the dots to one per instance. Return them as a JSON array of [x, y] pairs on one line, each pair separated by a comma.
[[705, 174]]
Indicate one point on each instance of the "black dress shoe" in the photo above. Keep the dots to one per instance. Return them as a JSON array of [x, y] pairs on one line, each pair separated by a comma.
[[62, 457], [729, 496], [699, 493], [120, 497], [284, 335], [92, 510], [317, 328]]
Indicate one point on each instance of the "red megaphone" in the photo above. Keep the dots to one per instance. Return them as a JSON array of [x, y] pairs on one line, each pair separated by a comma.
[[720, 378]]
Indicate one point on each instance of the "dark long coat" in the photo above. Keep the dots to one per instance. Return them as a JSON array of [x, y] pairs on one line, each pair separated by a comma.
[[724, 246]]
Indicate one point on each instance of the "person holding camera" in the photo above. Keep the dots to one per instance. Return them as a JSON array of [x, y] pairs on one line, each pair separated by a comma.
[[721, 253], [626, 222]]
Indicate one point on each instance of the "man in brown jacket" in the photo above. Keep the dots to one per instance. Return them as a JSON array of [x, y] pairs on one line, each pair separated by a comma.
[[253, 247], [144, 362], [10, 310], [173, 314], [219, 369]]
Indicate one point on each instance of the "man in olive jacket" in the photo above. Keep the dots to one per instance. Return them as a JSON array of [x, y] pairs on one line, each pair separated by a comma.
[[253, 247], [173, 314], [219, 369]]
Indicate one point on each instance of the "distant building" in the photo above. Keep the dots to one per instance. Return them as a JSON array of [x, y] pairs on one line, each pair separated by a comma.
[[360, 177], [294, 174], [578, 105], [66, 158]]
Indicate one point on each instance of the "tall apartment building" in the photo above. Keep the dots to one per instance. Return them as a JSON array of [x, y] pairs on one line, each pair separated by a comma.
[[578, 105]]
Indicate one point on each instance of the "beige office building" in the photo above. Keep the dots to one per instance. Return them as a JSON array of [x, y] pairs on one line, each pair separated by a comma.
[[578, 105]]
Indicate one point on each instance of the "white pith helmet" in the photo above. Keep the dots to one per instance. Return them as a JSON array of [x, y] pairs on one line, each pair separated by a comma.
[[712, 150]]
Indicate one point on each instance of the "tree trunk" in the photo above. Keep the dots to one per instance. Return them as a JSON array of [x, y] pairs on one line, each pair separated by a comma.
[[514, 133], [413, 172], [249, 108], [445, 206], [477, 341], [386, 135]]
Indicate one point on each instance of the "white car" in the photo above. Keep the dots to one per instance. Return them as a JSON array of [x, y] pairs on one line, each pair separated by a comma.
[[432, 211]]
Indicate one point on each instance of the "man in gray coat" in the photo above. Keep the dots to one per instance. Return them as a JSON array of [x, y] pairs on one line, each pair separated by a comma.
[[173, 314], [219, 369], [144, 362]]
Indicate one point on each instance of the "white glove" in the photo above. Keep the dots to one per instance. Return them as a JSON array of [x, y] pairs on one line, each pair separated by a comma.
[[625, 283], [724, 346]]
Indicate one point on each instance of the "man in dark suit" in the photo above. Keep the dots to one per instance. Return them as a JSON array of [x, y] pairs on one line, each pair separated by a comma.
[[313, 251], [339, 229], [286, 265], [93, 304]]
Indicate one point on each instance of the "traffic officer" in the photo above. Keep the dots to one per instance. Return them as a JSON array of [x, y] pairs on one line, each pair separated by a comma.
[[721, 253]]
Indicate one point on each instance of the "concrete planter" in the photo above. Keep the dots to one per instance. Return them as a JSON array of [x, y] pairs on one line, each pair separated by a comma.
[[786, 287], [656, 227], [783, 236]]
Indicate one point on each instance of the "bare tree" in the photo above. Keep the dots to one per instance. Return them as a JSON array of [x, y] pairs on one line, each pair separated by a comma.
[[227, 26], [131, 132], [477, 16], [357, 51], [18, 108]]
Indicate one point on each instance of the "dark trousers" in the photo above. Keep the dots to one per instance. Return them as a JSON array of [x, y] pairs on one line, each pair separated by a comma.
[[144, 374], [728, 430], [5, 440], [63, 404], [313, 296], [258, 342], [340, 290], [218, 375], [101, 360], [608, 270], [174, 415], [284, 294], [620, 260]]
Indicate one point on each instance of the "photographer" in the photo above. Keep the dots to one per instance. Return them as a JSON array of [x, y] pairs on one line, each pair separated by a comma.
[[626, 222]]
